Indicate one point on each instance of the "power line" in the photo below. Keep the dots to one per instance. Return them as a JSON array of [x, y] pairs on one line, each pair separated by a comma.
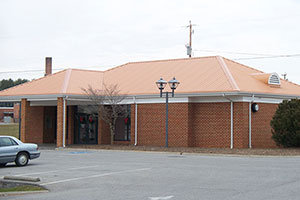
[[257, 55], [278, 56], [233, 52], [41, 70]]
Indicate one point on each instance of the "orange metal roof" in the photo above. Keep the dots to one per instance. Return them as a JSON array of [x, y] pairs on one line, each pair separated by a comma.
[[196, 75]]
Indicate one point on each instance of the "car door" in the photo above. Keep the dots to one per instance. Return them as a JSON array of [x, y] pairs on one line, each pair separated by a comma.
[[8, 150]]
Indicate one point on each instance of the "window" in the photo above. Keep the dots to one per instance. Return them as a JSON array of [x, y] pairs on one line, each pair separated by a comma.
[[6, 104], [5, 141]]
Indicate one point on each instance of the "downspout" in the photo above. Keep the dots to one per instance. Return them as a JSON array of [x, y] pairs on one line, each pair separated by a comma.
[[250, 120], [135, 123], [231, 121]]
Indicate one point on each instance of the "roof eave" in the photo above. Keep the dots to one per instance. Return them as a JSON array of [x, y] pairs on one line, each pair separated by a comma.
[[146, 96]]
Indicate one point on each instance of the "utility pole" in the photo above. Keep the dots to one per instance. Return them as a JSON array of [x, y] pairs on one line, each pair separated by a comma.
[[189, 46]]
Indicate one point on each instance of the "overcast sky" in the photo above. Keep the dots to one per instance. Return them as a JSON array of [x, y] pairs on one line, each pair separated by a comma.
[[94, 34]]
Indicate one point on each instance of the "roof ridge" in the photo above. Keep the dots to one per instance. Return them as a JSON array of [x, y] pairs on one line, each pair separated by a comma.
[[174, 59], [261, 71], [34, 80], [244, 65], [113, 68], [66, 81], [228, 73], [86, 70], [150, 61]]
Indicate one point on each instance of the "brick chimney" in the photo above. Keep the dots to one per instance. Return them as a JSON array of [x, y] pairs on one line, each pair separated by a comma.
[[48, 67]]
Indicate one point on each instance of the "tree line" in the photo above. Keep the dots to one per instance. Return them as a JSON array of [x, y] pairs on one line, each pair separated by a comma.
[[7, 83]]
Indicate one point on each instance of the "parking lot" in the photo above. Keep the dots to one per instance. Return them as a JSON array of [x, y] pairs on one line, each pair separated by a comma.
[[101, 174]]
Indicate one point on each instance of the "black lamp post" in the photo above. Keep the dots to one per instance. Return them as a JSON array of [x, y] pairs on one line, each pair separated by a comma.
[[161, 84]]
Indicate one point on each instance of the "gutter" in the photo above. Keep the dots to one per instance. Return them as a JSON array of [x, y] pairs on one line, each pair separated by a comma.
[[145, 96], [231, 121]]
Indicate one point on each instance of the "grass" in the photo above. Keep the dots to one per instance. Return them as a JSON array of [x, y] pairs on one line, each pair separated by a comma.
[[22, 188], [9, 129]]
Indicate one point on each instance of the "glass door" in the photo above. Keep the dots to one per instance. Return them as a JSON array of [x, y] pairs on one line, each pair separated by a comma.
[[88, 125]]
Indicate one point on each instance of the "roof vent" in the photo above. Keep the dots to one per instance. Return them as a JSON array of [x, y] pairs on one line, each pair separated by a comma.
[[274, 79]]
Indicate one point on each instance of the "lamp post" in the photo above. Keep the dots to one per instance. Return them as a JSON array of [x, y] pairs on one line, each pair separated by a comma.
[[161, 84]]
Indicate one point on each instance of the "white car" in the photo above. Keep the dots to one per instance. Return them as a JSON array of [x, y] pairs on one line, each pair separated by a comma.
[[13, 150]]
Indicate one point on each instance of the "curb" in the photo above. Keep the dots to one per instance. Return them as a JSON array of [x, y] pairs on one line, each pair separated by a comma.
[[5, 194], [22, 178], [178, 152]]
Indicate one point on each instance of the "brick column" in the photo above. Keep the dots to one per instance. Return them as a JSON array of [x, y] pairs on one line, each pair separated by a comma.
[[70, 125], [24, 119], [103, 131], [60, 112]]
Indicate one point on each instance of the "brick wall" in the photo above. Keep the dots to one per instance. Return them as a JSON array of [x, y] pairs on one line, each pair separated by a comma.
[[152, 124], [32, 124], [261, 129], [132, 125], [204, 125], [210, 125], [71, 125], [103, 132], [16, 112], [24, 119], [59, 132], [36, 125], [240, 125]]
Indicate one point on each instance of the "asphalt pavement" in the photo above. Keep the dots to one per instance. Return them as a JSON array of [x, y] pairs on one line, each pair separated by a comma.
[[115, 175]]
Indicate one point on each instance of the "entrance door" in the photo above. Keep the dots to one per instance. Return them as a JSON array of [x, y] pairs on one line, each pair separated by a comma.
[[88, 125]]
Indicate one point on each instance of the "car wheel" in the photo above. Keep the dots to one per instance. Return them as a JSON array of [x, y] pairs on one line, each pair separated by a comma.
[[2, 164], [22, 159]]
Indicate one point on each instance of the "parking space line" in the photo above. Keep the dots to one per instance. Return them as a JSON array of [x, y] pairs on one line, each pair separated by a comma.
[[47, 172], [95, 176]]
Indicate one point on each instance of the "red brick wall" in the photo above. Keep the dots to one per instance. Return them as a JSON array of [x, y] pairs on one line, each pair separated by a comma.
[[71, 125], [210, 125], [32, 124], [16, 111], [261, 129], [132, 125], [36, 124], [179, 124], [152, 124], [59, 132], [103, 132], [241, 125], [24, 119]]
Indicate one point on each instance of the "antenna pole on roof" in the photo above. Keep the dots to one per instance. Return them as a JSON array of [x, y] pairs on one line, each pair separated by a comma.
[[189, 46], [284, 76]]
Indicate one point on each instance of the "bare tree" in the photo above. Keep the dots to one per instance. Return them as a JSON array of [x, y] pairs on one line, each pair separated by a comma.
[[108, 104]]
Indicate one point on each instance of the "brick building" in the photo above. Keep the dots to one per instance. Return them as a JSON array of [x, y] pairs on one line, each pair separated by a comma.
[[215, 105]]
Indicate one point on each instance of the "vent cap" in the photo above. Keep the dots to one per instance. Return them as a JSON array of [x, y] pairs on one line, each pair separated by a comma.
[[274, 79]]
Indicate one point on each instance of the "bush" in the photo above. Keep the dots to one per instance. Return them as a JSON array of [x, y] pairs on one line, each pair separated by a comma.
[[286, 124]]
